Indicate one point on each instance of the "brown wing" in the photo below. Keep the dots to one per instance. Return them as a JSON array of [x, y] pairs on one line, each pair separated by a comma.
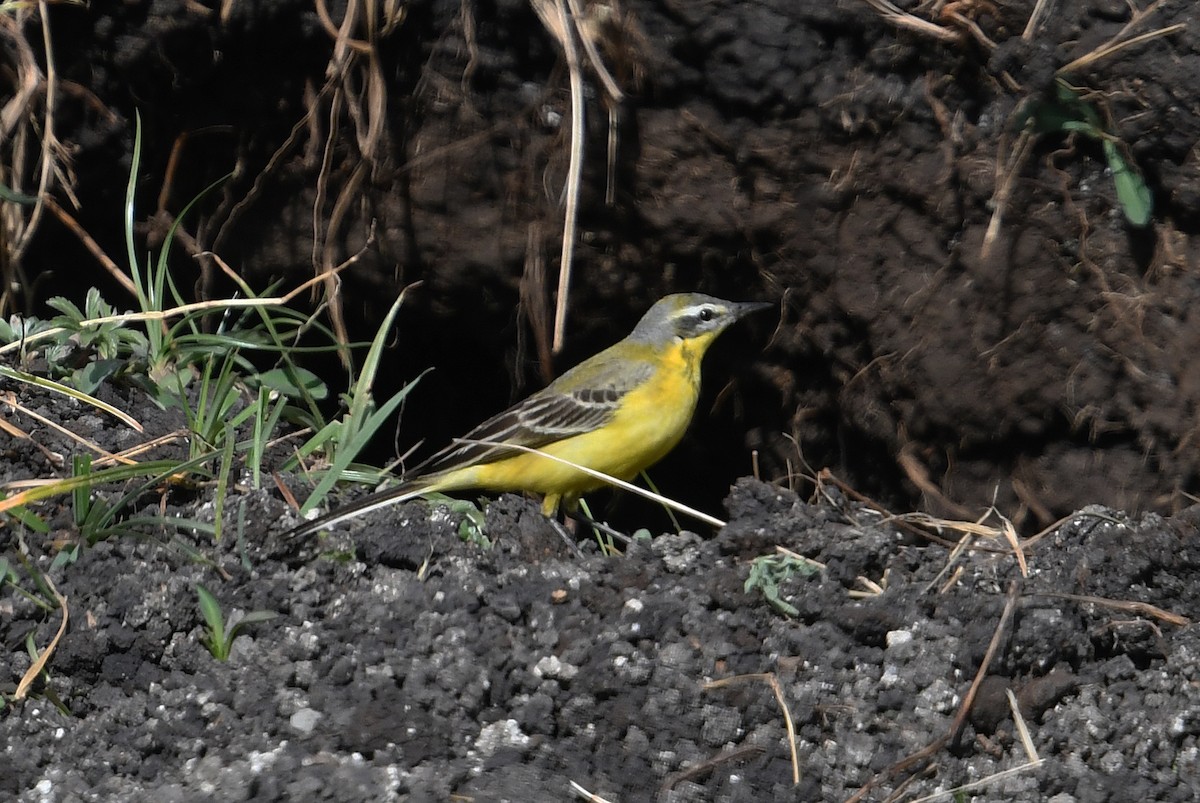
[[578, 402]]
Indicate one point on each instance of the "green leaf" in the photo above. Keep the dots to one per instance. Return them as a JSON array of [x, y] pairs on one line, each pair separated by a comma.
[[91, 376], [251, 618], [778, 603], [66, 557], [64, 305], [210, 609], [293, 383], [1135, 197], [1082, 127], [95, 305]]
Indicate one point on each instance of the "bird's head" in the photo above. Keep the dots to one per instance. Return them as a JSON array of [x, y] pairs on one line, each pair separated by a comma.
[[690, 317]]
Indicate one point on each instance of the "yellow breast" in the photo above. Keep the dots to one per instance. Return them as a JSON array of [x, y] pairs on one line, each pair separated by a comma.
[[649, 422]]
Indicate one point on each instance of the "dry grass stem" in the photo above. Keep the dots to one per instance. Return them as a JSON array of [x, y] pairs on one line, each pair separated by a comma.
[[998, 636], [16, 433], [782, 550], [305, 124], [114, 271], [1033, 539], [870, 587], [534, 300], [825, 476], [127, 455], [974, 528], [20, 133], [574, 178], [1112, 48], [39, 664], [62, 390], [918, 475], [586, 795], [922, 524], [973, 28], [951, 562], [708, 765], [355, 80], [1127, 606], [893, 15], [1022, 728], [588, 38], [155, 315], [10, 399], [1035, 18], [50, 144], [567, 23], [1006, 178], [951, 581], [600, 475], [1014, 541], [926, 754], [773, 682], [960, 792]]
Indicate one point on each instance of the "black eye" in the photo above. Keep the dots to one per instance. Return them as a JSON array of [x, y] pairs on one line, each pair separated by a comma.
[[707, 313]]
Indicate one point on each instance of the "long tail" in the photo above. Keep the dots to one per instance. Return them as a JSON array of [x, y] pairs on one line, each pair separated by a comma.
[[360, 507]]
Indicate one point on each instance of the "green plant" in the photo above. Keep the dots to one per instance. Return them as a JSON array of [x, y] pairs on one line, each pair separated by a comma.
[[221, 632], [265, 421], [96, 515], [104, 349], [342, 440], [769, 572], [473, 527], [169, 348], [1067, 112], [179, 364]]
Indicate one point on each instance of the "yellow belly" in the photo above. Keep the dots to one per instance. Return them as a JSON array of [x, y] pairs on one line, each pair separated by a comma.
[[651, 420]]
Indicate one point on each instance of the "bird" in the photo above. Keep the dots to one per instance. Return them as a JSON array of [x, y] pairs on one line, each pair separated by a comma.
[[617, 413]]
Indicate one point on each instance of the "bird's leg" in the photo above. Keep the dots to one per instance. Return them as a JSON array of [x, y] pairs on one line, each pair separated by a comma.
[[567, 537], [581, 517], [551, 505]]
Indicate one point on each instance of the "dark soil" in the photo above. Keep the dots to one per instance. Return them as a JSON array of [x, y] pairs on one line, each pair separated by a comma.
[[406, 663], [806, 152]]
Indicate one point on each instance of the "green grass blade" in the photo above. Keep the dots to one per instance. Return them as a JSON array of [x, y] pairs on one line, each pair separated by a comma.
[[58, 387], [130, 193], [222, 484], [29, 519], [170, 468], [348, 450], [159, 468], [81, 466], [361, 395]]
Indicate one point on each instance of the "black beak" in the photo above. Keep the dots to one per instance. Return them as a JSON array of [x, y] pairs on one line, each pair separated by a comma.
[[747, 307]]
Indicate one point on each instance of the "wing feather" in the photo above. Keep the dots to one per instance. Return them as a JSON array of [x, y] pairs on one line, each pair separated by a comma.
[[577, 403]]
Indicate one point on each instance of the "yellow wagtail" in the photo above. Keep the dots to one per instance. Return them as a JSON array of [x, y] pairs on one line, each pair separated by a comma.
[[617, 413]]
